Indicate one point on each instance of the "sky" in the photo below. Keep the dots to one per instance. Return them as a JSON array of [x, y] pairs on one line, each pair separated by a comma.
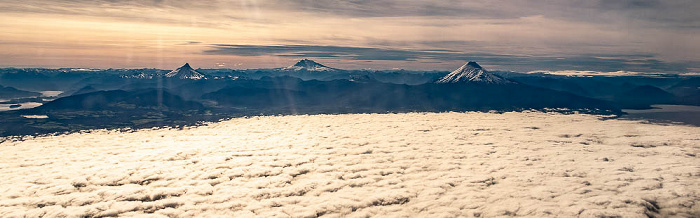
[[535, 35]]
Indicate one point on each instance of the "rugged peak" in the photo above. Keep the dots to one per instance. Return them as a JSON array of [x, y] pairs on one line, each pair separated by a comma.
[[187, 65]]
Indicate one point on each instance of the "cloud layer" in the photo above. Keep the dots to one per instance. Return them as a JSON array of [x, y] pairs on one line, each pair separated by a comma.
[[416, 164]]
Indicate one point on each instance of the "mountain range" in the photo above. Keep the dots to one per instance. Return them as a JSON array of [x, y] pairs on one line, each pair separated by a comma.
[[11, 92], [151, 97]]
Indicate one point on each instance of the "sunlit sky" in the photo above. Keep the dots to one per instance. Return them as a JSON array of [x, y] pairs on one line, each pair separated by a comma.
[[595, 35]]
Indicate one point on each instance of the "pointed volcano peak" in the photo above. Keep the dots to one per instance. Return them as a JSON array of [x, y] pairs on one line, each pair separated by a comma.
[[471, 72], [308, 65], [473, 64], [306, 61], [185, 72]]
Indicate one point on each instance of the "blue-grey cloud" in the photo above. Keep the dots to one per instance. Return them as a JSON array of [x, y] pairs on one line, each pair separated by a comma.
[[629, 4], [354, 53], [594, 62]]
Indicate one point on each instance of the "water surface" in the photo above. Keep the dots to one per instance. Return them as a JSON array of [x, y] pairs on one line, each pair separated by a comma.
[[667, 114], [25, 105], [50, 93]]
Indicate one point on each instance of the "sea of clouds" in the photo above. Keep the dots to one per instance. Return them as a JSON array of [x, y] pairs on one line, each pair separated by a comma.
[[361, 165]]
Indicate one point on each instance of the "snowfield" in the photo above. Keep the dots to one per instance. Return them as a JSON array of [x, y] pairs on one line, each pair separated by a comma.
[[360, 165]]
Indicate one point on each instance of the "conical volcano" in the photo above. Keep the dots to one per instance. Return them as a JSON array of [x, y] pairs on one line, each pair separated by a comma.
[[471, 72], [185, 72], [309, 65]]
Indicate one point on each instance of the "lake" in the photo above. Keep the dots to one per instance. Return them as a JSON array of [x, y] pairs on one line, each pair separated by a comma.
[[667, 114], [47, 96], [25, 105]]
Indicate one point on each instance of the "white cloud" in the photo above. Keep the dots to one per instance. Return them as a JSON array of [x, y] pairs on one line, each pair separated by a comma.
[[594, 73], [417, 164], [691, 74], [35, 116]]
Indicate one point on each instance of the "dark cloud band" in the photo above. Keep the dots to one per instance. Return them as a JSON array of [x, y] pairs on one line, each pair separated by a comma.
[[594, 62]]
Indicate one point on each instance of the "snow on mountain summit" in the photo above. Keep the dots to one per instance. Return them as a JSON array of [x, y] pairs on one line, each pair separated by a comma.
[[471, 72], [185, 72], [308, 65]]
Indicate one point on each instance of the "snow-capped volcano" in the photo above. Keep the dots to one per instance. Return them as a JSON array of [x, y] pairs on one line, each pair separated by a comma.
[[471, 72], [308, 65], [185, 72]]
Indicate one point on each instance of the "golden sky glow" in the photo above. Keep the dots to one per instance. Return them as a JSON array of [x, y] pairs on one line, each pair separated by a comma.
[[511, 35]]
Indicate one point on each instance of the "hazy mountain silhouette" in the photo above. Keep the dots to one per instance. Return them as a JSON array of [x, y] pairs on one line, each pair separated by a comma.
[[10, 92], [554, 84], [312, 88], [344, 95], [641, 97], [120, 99], [83, 90], [688, 91]]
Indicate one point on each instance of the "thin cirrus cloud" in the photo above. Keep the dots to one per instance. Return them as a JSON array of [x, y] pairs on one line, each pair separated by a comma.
[[595, 62], [678, 13], [316, 51]]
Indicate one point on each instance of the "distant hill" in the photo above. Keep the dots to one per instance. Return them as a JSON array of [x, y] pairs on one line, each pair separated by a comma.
[[10, 92], [690, 86], [554, 84], [258, 97], [83, 90], [688, 91], [641, 97], [340, 96], [120, 99], [160, 101]]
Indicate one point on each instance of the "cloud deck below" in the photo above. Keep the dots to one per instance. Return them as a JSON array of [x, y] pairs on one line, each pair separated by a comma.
[[356, 165]]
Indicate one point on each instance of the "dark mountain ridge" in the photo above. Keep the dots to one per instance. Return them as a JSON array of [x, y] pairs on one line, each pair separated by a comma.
[[11, 92], [158, 100], [120, 99]]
